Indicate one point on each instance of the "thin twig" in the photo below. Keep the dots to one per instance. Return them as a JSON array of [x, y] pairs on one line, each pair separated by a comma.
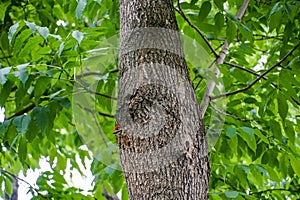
[[256, 74], [259, 77], [228, 114], [275, 189], [19, 179], [109, 196], [21, 112], [179, 10], [220, 59]]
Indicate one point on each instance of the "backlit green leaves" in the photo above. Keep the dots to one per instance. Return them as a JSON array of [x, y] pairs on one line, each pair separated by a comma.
[[12, 31], [22, 73], [78, 36], [247, 135], [80, 8], [4, 74]]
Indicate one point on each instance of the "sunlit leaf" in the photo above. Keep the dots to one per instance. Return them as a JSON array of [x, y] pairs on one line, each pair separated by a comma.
[[78, 36], [3, 74], [80, 8], [12, 31]]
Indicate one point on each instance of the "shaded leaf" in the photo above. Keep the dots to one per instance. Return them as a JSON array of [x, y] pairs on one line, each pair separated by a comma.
[[41, 117], [22, 123], [22, 148], [282, 106], [204, 11], [3, 7]]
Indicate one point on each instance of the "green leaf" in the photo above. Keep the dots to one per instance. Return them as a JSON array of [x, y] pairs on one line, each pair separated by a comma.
[[22, 74], [56, 93], [43, 31], [295, 162], [110, 170], [22, 149], [276, 129], [282, 107], [219, 21], [220, 4], [64, 102], [3, 127], [20, 40], [230, 31], [231, 194], [41, 85], [5, 91], [3, 7], [78, 36], [276, 8], [41, 117], [3, 74], [261, 136], [4, 40], [8, 186], [30, 46], [288, 9], [272, 173], [230, 132], [31, 26], [204, 11], [247, 135], [61, 48], [11, 32], [124, 193], [246, 32], [22, 123], [80, 8], [289, 131], [275, 21], [98, 1]]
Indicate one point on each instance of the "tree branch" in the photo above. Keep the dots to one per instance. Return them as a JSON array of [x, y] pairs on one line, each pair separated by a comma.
[[19, 179], [109, 196], [228, 114], [220, 59], [179, 10], [21, 112], [259, 77], [256, 74], [275, 189]]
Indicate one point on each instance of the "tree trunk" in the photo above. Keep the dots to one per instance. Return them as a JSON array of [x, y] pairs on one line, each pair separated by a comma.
[[163, 148]]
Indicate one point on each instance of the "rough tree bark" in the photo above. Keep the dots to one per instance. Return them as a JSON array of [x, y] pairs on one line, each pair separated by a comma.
[[163, 148]]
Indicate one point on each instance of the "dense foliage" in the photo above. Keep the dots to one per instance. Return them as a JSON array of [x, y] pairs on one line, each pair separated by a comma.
[[43, 44]]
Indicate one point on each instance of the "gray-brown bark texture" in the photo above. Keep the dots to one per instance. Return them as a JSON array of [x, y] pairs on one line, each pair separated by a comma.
[[163, 148]]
